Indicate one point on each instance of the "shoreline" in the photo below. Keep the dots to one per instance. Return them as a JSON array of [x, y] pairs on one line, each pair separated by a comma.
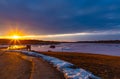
[[89, 53]]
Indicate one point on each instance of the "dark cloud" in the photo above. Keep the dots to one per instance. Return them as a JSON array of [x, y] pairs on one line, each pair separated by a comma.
[[61, 16]]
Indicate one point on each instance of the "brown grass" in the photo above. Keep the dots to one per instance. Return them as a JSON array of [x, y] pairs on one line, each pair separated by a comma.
[[106, 67]]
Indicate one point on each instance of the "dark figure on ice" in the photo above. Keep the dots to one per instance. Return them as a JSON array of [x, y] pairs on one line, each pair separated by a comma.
[[52, 46], [28, 47]]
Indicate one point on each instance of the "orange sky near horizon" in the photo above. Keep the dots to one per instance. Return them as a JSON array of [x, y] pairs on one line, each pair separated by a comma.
[[17, 33]]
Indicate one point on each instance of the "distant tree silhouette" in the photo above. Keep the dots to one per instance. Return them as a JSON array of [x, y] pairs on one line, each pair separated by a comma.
[[26, 42], [100, 41]]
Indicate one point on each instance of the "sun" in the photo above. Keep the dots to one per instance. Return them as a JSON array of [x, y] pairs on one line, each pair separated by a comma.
[[15, 37]]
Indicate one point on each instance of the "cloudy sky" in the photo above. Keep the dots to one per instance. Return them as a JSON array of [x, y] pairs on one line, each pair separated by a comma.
[[98, 19]]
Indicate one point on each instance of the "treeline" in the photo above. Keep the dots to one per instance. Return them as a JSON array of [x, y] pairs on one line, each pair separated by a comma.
[[25, 42], [100, 41]]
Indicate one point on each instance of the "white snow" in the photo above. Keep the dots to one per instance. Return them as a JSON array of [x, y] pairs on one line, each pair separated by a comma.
[[69, 70], [95, 48]]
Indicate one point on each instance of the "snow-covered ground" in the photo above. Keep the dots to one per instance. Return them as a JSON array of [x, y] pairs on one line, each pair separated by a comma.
[[69, 70], [107, 49]]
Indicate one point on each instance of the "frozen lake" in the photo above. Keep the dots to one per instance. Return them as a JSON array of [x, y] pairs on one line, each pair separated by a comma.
[[107, 49]]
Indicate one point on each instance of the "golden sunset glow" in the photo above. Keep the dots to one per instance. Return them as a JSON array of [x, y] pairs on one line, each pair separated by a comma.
[[15, 37], [18, 36]]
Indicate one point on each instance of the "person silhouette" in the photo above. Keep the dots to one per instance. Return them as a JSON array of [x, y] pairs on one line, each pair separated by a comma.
[[28, 47]]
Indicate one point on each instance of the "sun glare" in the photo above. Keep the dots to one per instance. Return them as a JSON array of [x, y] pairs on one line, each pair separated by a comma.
[[15, 37]]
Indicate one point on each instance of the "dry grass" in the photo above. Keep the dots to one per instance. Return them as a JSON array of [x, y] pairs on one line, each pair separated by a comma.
[[106, 67]]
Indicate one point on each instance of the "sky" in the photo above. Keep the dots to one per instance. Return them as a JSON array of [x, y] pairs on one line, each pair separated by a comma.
[[68, 20]]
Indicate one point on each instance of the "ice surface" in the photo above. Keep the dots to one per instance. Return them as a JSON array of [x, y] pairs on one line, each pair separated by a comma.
[[95, 48], [70, 70]]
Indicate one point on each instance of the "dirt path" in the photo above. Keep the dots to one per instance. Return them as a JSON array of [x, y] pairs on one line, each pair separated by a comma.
[[14, 67], [43, 70], [19, 66]]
